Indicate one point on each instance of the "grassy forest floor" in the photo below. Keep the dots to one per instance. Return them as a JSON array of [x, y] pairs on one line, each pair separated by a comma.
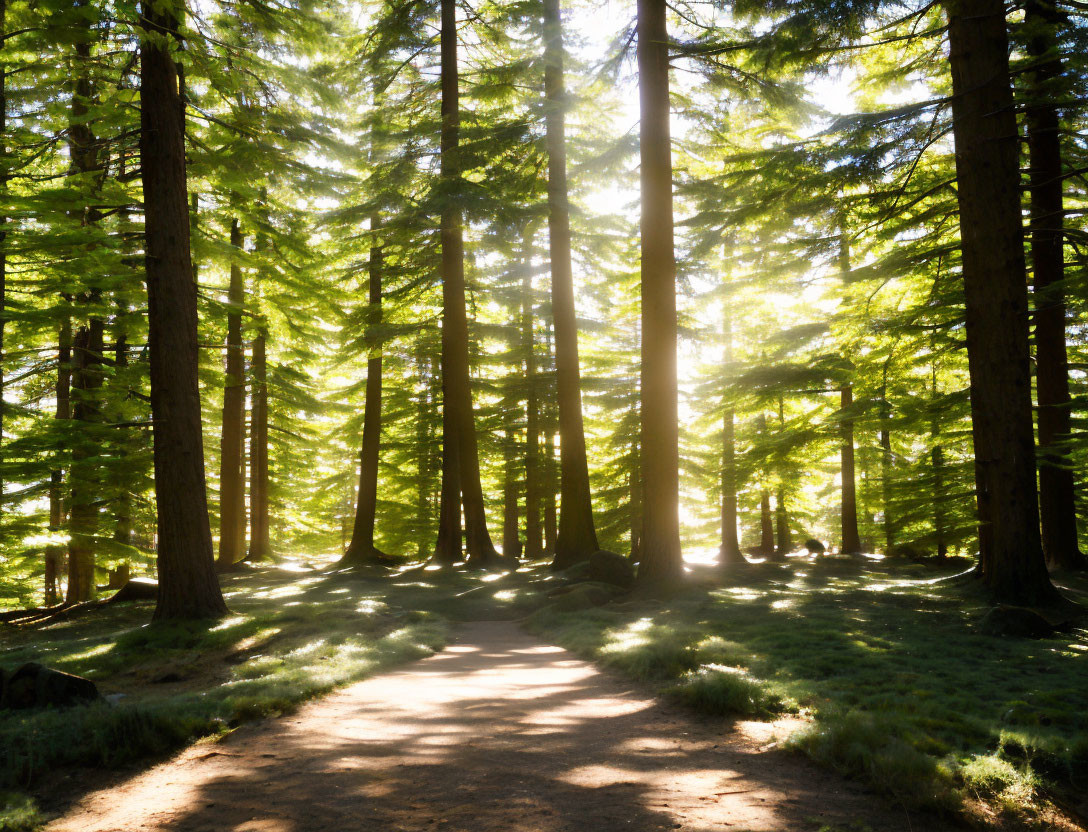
[[877, 670]]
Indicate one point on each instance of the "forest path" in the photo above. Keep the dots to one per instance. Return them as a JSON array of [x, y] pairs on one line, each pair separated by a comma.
[[497, 732]]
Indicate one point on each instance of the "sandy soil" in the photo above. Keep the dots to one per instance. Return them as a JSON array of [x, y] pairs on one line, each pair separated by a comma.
[[497, 732]]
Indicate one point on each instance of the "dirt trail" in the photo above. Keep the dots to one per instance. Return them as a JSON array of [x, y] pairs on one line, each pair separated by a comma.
[[497, 732]]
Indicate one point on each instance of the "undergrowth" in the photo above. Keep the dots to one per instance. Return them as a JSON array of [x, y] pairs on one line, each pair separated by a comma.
[[290, 637], [900, 688]]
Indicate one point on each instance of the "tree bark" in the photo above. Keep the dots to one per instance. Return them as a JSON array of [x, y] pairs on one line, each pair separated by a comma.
[[362, 550], [577, 535], [729, 553], [851, 540], [886, 461], [260, 540], [534, 530], [423, 447], [782, 525], [766, 525], [122, 529], [188, 587], [55, 552], [994, 275], [460, 427], [85, 476], [1057, 486], [940, 522], [661, 562], [232, 509], [86, 381], [549, 468]]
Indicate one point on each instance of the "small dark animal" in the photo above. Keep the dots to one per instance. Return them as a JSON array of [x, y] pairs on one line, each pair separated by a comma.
[[815, 547]]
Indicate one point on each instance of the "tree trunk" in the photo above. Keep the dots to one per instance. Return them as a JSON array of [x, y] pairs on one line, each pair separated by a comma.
[[851, 540], [782, 525], [55, 552], [577, 536], [122, 529], [85, 475], [766, 526], [549, 468], [511, 540], [729, 554], [1057, 488], [988, 176], [634, 484], [260, 541], [661, 558], [423, 448], [551, 510], [534, 531], [460, 427], [362, 549], [188, 587], [886, 461], [232, 510]]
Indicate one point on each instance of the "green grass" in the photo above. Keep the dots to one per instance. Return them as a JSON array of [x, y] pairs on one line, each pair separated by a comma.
[[900, 688], [291, 636]]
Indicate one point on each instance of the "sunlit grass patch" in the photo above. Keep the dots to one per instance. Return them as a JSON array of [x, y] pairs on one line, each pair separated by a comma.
[[902, 689], [728, 691], [184, 680], [18, 813]]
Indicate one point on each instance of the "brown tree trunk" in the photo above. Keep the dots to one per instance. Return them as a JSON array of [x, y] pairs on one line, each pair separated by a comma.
[[634, 484], [423, 447], [782, 525], [851, 540], [534, 530], [577, 536], [188, 587], [551, 512], [511, 540], [362, 550], [549, 467], [84, 475], [988, 177], [460, 427], [1057, 487], [122, 530], [232, 510], [886, 461], [729, 553], [781, 514], [661, 562], [766, 525], [55, 552], [260, 540]]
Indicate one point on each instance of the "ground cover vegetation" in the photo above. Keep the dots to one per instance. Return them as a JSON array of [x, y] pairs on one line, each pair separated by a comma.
[[475, 284]]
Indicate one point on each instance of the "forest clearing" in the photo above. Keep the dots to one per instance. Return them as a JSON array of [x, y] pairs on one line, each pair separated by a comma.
[[543, 415]]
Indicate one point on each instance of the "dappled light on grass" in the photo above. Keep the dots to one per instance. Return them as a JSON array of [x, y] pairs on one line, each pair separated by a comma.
[[497, 732], [903, 690]]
